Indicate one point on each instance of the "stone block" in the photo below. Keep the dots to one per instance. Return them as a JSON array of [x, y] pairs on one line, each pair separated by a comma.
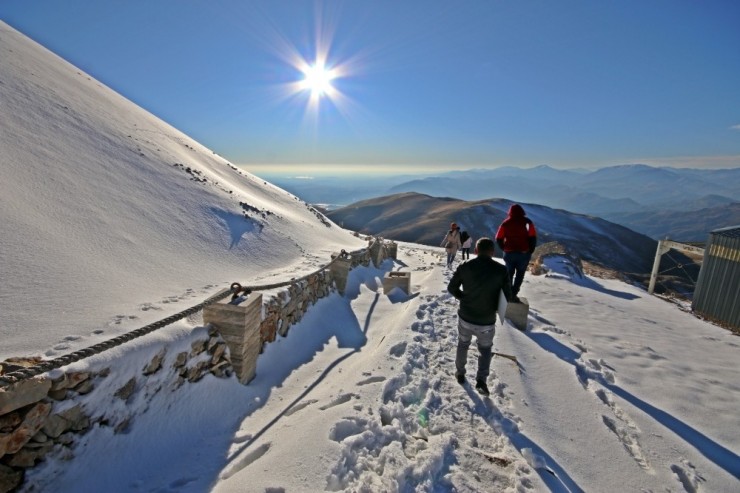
[[32, 422], [23, 393], [340, 271], [239, 326], [10, 478], [391, 248], [397, 279], [518, 313]]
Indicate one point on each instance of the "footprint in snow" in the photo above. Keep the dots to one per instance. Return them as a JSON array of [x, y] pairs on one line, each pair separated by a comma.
[[344, 398], [629, 439], [398, 350], [299, 406], [687, 475], [370, 380], [148, 306], [346, 428]]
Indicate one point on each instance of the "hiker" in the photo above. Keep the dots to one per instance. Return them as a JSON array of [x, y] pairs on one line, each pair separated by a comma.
[[517, 237], [482, 280], [467, 242], [452, 243]]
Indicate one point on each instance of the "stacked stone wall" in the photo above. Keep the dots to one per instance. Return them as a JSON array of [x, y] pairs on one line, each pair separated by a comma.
[[44, 415]]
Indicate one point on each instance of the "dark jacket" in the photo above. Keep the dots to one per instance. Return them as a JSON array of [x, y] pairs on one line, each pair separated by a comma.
[[517, 233], [482, 279]]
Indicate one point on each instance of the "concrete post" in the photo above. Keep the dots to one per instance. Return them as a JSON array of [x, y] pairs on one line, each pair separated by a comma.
[[392, 249], [376, 252], [656, 265], [396, 279], [239, 326], [340, 271]]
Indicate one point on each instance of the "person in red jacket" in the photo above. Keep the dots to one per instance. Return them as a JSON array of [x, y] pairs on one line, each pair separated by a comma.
[[517, 237]]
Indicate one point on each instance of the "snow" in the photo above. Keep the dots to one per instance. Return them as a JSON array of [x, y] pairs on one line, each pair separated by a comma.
[[102, 227], [614, 390]]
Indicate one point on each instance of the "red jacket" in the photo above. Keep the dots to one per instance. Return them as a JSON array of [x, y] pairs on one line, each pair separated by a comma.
[[517, 233]]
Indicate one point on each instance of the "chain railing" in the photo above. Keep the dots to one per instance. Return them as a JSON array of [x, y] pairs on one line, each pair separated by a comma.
[[235, 289]]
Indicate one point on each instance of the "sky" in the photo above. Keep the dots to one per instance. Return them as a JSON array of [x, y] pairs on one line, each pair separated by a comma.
[[419, 85]]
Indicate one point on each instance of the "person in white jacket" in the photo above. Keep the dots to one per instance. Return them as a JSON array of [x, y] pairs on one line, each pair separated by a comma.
[[451, 243]]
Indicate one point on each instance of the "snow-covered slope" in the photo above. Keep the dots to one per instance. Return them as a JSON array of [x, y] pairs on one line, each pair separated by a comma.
[[616, 391], [110, 217]]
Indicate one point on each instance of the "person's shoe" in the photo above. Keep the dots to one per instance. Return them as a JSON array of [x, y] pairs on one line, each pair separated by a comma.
[[460, 379], [515, 299], [482, 388]]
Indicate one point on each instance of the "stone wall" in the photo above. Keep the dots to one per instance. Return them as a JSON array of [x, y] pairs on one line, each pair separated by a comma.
[[44, 415]]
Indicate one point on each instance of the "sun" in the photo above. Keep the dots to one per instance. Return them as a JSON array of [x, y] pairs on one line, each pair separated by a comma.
[[317, 79]]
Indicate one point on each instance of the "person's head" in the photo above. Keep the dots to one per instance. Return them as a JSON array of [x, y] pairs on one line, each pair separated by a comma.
[[516, 210], [484, 247], [453, 226]]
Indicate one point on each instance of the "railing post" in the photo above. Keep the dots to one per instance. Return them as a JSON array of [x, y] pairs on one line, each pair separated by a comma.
[[656, 265], [340, 271], [239, 326]]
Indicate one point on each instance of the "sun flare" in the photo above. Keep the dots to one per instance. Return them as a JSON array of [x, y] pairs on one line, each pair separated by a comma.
[[317, 79]]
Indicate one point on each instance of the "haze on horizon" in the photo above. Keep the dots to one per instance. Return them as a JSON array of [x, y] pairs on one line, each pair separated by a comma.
[[329, 87]]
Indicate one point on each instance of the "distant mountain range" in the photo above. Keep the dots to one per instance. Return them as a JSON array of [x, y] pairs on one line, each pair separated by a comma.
[[424, 219], [685, 204]]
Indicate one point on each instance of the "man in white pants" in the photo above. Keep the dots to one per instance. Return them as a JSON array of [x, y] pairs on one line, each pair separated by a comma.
[[482, 280]]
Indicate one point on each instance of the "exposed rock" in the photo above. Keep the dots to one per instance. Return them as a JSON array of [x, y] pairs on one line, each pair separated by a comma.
[[27, 457], [127, 390], [39, 437], [124, 426], [66, 438], [218, 351], [212, 331], [197, 347], [196, 372], [212, 342], [104, 372], [156, 363], [9, 478], [9, 422], [76, 417], [77, 377], [85, 387], [23, 393], [33, 420], [58, 395], [60, 383], [180, 360]]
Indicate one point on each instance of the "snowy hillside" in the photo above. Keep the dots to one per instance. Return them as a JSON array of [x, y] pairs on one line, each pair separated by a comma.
[[110, 218], [616, 391]]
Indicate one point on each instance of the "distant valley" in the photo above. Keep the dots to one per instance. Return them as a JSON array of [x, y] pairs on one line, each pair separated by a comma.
[[684, 204]]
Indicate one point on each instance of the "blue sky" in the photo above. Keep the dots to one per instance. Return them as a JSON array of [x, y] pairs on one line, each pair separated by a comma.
[[422, 84]]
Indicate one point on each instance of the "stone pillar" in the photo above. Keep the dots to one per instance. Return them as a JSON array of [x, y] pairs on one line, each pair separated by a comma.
[[517, 313], [391, 248], [340, 271], [376, 252], [396, 279], [239, 325]]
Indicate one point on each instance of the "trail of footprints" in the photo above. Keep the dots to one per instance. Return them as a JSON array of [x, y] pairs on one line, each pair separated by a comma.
[[596, 375], [117, 320]]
